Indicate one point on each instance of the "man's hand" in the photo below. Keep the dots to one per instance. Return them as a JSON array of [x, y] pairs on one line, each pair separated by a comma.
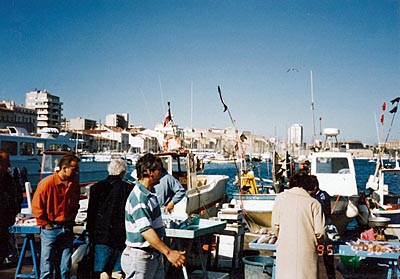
[[170, 206], [177, 258]]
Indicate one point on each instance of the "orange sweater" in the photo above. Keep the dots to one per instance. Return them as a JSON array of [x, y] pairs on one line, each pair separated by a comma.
[[53, 201]]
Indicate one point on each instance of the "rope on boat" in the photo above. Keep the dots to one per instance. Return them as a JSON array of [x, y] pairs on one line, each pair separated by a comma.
[[335, 204]]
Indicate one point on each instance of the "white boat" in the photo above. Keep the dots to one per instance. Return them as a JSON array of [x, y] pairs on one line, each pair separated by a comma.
[[33, 153], [205, 193], [218, 158], [385, 179], [336, 175]]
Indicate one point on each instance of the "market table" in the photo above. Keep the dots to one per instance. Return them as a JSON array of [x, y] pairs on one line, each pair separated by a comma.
[[193, 232], [28, 233], [366, 249], [372, 249]]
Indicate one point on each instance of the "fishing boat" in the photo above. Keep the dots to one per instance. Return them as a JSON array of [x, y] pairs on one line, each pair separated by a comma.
[[256, 196], [336, 175], [385, 180], [205, 193]]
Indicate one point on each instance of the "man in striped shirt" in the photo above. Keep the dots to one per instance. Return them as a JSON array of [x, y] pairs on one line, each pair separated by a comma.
[[142, 257]]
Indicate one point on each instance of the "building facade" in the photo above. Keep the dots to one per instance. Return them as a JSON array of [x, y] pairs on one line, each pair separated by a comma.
[[12, 114], [48, 108], [120, 120], [80, 124]]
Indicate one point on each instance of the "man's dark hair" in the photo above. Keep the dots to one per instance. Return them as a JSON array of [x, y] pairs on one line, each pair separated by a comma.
[[302, 181], [67, 159], [147, 162], [314, 181], [4, 158]]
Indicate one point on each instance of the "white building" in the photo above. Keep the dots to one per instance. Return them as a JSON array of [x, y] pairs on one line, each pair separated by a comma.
[[48, 108], [296, 135], [80, 123], [118, 120]]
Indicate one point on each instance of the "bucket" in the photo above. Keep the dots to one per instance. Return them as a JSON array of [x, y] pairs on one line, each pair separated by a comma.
[[258, 267]]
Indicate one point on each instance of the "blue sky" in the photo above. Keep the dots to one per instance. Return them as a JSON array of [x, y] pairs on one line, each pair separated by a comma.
[[133, 56]]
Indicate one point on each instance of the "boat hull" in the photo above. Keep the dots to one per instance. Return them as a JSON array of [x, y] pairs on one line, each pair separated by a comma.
[[257, 209], [205, 199]]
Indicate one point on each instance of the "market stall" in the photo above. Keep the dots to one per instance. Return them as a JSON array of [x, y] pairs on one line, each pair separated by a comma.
[[191, 232], [388, 251]]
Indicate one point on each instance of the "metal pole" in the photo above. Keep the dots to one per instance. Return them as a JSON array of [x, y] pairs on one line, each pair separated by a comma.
[[312, 106]]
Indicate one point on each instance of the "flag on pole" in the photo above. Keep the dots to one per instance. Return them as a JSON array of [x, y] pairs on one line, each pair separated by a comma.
[[393, 110], [395, 100], [166, 120]]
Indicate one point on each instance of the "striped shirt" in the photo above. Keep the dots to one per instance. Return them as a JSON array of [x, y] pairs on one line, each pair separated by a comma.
[[142, 212]]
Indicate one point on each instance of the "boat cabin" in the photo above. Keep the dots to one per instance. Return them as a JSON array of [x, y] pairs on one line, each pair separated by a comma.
[[183, 166], [335, 172]]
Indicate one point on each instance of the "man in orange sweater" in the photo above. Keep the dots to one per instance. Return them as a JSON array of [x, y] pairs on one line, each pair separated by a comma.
[[55, 205]]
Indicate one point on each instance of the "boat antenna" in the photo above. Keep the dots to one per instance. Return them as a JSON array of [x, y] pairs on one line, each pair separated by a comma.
[[312, 107], [162, 93], [238, 140]]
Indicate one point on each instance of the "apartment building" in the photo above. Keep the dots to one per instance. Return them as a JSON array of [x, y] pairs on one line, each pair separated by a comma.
[[48, 108]]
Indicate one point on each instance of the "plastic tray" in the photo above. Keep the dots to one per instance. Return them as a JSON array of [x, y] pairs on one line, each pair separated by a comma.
[[204, 227], [262, 246]]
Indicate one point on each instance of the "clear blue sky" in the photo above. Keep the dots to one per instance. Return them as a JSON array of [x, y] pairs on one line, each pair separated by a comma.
[[133, 56]]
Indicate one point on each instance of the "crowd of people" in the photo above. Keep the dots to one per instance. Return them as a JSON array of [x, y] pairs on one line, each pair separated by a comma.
[[125, 227], [124, 221]]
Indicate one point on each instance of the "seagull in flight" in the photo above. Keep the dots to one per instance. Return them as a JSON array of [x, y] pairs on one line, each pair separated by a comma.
[[292, 70]]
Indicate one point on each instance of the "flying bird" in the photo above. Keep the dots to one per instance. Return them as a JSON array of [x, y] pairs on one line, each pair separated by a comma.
[[292, 70]]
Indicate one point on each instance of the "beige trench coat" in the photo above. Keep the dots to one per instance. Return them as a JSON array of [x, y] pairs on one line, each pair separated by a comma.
[[299, 223]]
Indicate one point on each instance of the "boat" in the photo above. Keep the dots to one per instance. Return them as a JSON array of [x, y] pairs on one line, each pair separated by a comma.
[[205, 193], [336, 175], [218, 158], [382, 183], [39, 155], [26, 151], [256, 196]]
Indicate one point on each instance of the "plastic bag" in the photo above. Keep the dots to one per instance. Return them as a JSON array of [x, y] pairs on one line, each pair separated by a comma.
[[80, 253], [352, 210]]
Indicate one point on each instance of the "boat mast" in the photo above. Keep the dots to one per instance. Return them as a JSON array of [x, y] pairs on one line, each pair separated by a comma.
[[312, 107], [191, 114]]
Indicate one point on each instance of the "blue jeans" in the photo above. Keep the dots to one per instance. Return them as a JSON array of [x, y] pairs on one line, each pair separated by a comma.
[[107, 259], [56, 252], [139, 264]]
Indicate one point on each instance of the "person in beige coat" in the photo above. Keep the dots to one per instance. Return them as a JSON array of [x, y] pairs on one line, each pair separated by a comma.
[[298, 221]]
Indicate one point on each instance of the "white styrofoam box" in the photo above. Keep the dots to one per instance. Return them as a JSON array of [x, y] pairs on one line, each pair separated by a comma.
[[226, 239], [226, 249]]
